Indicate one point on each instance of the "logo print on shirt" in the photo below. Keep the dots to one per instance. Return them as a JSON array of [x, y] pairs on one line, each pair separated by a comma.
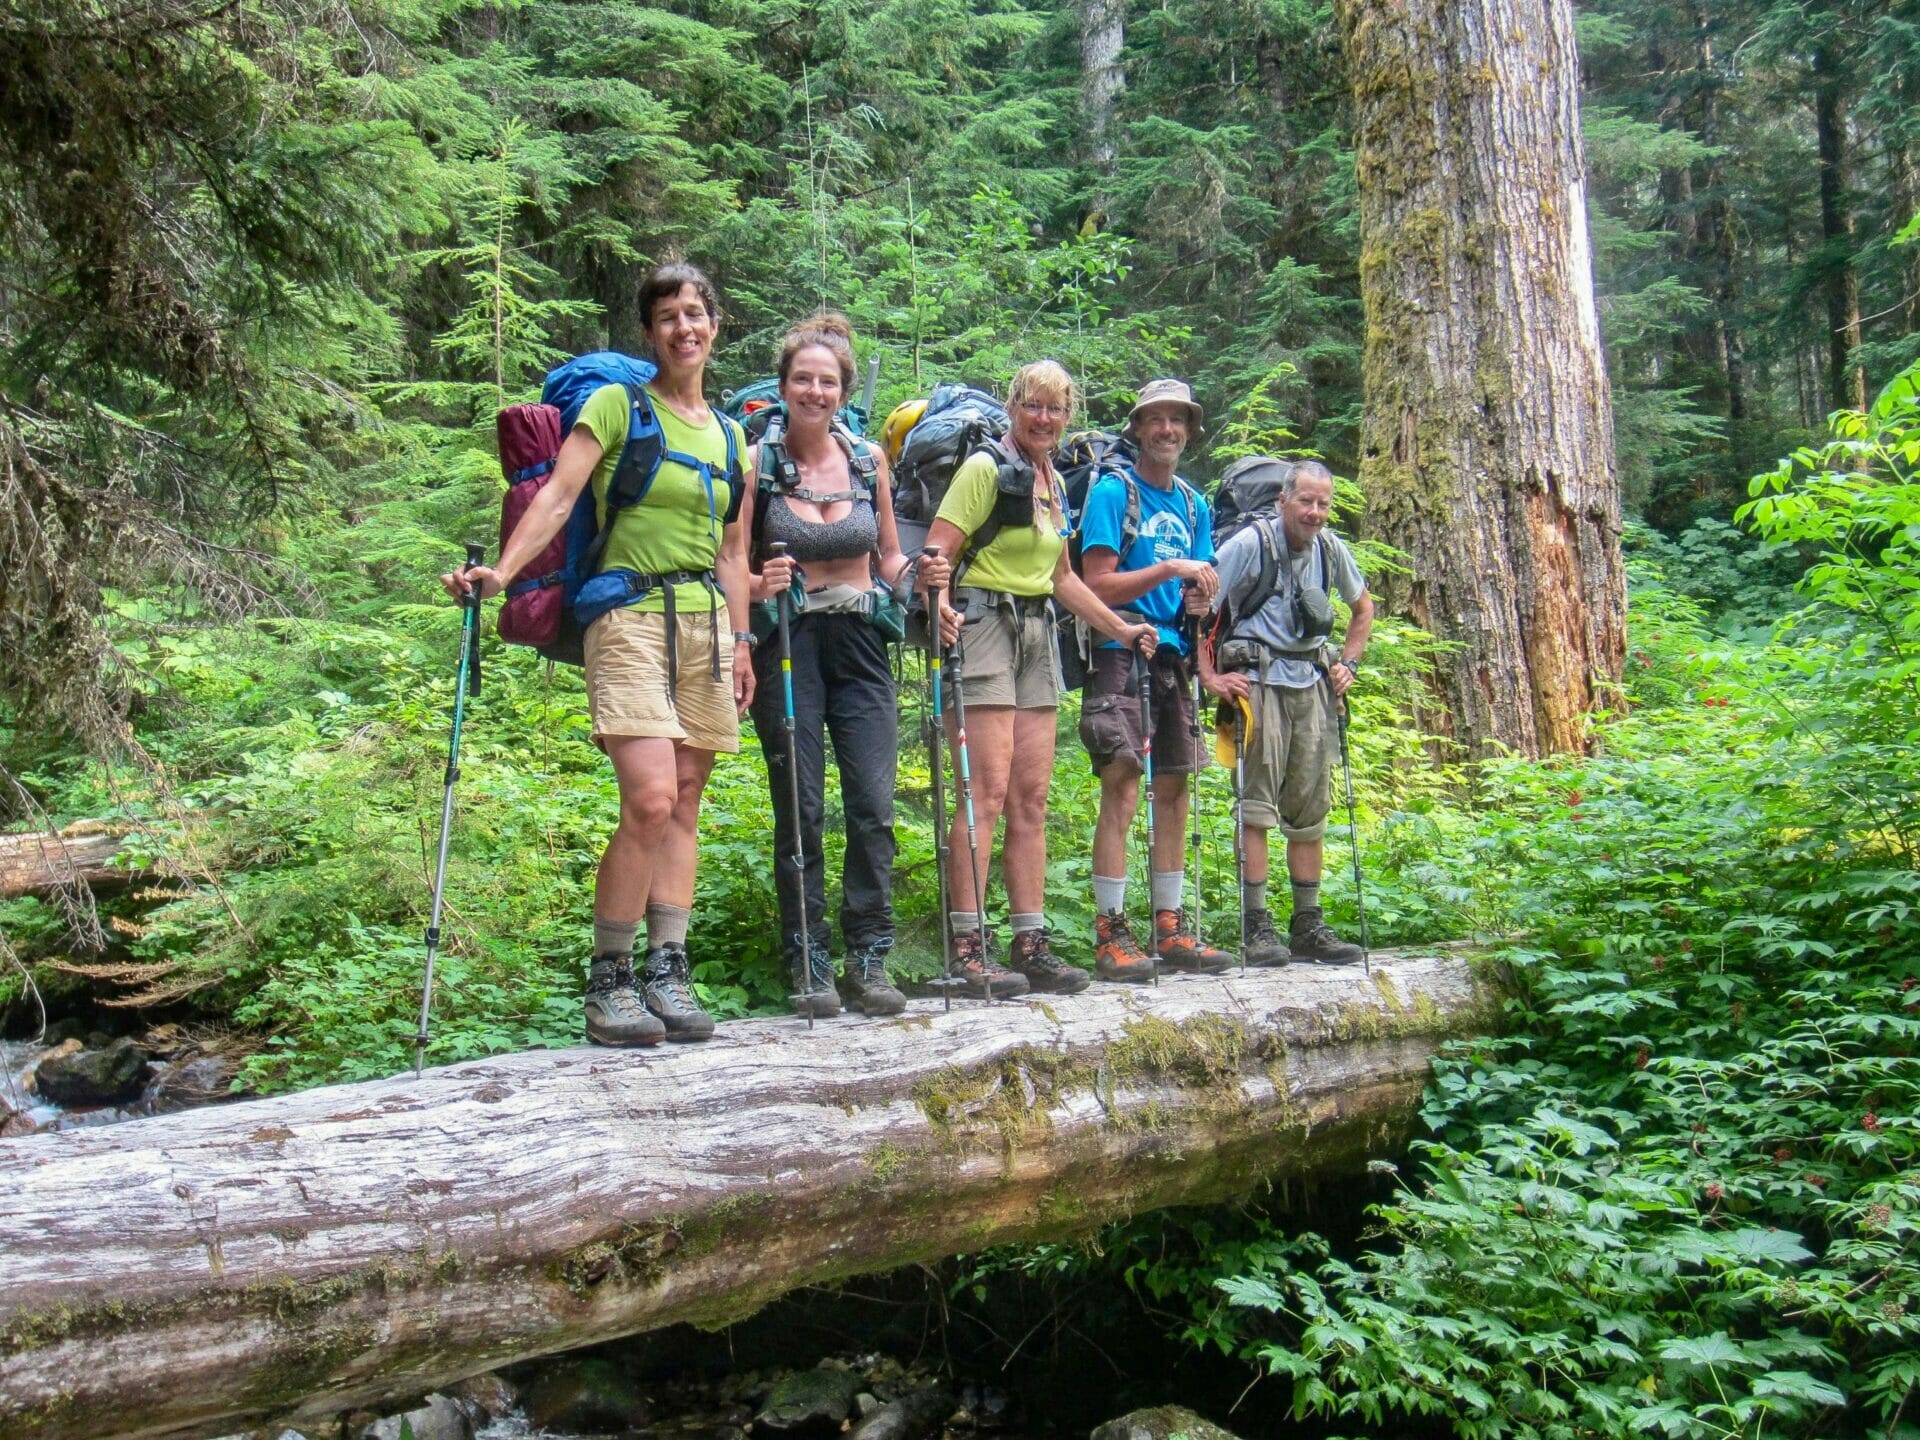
[[1168, 532]]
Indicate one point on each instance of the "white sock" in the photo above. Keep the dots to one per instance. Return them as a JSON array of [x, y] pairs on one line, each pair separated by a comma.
[[1168, 889]]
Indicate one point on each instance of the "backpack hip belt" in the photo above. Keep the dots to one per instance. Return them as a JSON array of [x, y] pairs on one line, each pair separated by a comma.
[[976, 596]]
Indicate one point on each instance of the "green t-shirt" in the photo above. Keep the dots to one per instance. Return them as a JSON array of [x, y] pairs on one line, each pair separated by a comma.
[[1022, 558], [671, 529]]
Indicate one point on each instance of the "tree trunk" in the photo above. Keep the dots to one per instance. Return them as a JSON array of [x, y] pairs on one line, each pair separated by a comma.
[[1903, 188], [297, 1257], [81, 854], [1846, 382], [1721, 224], [1487, 449], [1103, 34]]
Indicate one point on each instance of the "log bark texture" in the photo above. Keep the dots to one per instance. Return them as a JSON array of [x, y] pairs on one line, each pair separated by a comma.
[[296, 1257], [43, 861], [1487, 449]]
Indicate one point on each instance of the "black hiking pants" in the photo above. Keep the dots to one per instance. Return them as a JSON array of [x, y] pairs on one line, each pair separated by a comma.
[[843, 686]]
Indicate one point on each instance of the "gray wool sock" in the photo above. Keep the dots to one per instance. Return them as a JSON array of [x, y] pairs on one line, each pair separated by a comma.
[[1253, 895], [614, 937], [667, 925], [1110, 894]]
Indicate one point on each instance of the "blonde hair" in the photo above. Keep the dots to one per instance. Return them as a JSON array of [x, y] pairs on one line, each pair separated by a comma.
[[832, 332], [1047, 382], [1044, 380]]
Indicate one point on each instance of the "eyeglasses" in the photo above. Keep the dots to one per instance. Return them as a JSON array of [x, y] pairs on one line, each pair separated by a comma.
[[1043, 412]]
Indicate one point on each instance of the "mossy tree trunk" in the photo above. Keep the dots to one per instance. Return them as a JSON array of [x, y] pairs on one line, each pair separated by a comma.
[[301, 1256], [1487, 450]]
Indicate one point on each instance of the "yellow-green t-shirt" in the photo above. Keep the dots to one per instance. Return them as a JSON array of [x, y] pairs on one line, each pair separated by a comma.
[[671, 529], [1022, 558]]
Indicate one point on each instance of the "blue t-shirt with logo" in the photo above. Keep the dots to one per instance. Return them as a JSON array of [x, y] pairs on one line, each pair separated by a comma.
[[1164, 535]]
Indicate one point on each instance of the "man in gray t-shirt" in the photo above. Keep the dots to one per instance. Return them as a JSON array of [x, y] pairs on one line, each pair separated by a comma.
[[1272, 659]]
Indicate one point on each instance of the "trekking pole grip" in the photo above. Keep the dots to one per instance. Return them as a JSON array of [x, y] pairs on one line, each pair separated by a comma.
[[476, 557]]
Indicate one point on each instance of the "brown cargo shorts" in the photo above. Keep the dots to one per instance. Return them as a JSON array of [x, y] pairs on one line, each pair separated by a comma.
[[1110, 712]]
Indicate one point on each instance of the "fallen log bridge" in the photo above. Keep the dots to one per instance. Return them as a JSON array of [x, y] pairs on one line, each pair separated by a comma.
[[296, 1257]]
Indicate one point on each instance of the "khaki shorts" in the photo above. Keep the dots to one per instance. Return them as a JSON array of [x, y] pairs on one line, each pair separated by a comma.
[[627, 680], [1290, 763], [1009, 654]]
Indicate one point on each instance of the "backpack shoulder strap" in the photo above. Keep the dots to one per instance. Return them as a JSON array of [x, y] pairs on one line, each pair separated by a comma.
[[1191, 497], [1130, 518], [863, 464]]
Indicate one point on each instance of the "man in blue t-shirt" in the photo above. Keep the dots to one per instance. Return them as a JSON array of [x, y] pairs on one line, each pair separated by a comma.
[[1146, 542]]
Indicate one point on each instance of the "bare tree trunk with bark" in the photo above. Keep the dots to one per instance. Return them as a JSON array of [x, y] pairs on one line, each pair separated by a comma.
[[1846, 382], [1103, 33], [1487, 451]]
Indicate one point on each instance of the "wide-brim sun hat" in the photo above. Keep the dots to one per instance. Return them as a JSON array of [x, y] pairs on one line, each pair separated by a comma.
[[1168, 392]]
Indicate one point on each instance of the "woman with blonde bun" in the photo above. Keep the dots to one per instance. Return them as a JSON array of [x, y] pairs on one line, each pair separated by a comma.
[[820, 518]]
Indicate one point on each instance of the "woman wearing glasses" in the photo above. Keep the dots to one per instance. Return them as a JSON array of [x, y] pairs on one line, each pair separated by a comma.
[[1005, 515]]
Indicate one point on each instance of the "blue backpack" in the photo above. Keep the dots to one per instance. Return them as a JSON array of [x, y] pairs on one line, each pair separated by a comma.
[[586, 594]]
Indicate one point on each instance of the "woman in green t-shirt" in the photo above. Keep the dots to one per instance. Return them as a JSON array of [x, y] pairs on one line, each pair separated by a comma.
[[665, 687], [1010, 669]]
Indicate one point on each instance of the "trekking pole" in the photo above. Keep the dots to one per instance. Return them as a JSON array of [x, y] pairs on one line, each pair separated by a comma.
[[466, 681], [966, 796], [1353, 830], [784, 606], [1240, 822], [937, 764], [1193, 784], [1143, 680]]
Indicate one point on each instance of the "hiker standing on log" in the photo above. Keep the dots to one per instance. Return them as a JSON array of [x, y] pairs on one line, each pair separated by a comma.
[[1270, 651], [666, 681], [1008, 498], [824, 494], [1146, 541]]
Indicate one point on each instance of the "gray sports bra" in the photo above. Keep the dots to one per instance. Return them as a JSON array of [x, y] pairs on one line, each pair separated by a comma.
[[855, 533]]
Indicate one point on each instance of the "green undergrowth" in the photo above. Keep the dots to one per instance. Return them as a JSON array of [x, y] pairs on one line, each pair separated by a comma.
[[1681, 1197]]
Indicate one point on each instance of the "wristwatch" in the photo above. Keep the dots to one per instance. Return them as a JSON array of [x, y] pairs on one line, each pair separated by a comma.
[[1353, 666], [743, 637]]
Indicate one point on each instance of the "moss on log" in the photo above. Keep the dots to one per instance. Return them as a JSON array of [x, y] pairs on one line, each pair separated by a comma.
[[296, 1257]]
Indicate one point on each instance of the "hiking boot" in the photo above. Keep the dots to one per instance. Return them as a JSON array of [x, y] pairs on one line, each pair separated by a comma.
[[814, 997], [1033, 957], [615, 1015], [981, 971], [669, 993], [1117, 955], [1311, 938], [863, 980], [1264, 945], [1178, 948]]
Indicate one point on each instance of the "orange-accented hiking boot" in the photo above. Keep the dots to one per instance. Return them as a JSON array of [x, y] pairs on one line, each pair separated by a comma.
[[1180, 949], [1117, 955]]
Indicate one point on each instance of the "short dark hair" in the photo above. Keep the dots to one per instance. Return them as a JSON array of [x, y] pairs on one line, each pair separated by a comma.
[[663, 282]]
